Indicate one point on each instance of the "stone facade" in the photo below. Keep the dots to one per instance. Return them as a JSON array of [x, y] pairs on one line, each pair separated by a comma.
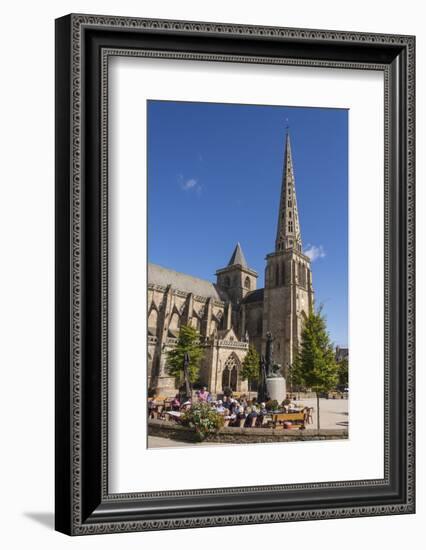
[[232, 314]]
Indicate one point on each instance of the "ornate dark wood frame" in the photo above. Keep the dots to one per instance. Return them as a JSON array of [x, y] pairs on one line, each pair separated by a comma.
[[83, 46]]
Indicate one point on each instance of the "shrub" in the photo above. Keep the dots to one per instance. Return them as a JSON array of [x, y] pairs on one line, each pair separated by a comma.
[[272, 405], [203, 419]]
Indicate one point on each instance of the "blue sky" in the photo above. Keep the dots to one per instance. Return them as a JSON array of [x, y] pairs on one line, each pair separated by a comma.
[[214, 178]]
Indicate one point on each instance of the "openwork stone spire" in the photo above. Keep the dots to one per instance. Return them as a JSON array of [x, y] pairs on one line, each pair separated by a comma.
[[288, 228]]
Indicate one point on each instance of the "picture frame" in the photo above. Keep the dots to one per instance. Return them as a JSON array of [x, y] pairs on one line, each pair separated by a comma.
[[84, 504]]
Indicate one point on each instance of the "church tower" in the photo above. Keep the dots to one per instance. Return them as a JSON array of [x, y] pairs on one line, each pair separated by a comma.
[[236, 279], [288, 295]]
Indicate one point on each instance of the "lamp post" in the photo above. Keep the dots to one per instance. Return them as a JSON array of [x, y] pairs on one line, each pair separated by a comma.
[[186, 360], [290, 376]]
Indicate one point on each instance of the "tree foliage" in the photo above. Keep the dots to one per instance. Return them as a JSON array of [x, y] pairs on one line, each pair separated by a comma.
[[188, 342], [250, 366], [343, 372], [315, 365]]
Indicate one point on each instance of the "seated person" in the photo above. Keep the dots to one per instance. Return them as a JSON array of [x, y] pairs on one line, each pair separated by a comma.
[[251, 413], [262, 412], [262, 409], [237, 414], [220, 408], [203, 394], [232, 405], [175, 403], [185, 406], [226, 402], [151, 407]]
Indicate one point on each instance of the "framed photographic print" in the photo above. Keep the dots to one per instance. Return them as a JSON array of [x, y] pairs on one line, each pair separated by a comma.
[[234, 274]]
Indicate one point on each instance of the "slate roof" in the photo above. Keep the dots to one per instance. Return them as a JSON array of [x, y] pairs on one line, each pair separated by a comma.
[[255, 296], [237, 257], [163, 276]]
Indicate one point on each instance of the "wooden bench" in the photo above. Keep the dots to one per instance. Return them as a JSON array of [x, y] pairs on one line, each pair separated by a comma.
[[279, 418]]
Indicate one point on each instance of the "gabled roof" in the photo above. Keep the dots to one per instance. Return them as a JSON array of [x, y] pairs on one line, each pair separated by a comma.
[[227, 334], [163, 276]]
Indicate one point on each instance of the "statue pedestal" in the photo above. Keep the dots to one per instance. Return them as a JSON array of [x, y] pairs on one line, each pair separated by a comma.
[[166, 386], [277, 388]]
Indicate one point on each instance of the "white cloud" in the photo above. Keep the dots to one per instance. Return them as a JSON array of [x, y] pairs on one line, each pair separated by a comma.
[[189, 184], [314, 252]]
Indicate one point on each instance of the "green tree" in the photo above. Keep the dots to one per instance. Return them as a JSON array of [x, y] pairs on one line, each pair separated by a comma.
[[188, 342], [315, 364], [250, 367], [343, 373]]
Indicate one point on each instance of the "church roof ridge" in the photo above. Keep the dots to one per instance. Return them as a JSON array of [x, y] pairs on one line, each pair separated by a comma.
[[164, 276]]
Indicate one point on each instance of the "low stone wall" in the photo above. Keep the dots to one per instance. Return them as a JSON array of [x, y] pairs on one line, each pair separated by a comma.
[[171, 430]]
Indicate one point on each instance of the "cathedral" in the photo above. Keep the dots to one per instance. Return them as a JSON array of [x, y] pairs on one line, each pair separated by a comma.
[[232, 313]]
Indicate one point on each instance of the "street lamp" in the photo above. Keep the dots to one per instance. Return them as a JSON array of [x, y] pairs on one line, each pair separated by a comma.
[[290, 376], [186, 360]]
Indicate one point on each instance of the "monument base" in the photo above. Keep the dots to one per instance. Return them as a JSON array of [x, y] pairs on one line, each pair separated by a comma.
[[166, 386], [277, 388]]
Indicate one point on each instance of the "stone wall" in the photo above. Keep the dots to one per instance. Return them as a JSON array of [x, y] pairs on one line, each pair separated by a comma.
[[171, 430]]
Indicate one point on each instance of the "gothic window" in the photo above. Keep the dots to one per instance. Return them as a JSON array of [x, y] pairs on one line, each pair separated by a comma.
[[247, 283], [150, 373], [153, 319], [289, 214], [195, 323], [230, 376], [174, 321], [234, 378], [227, 282], [290, 226], [226, 378], [289, 203]]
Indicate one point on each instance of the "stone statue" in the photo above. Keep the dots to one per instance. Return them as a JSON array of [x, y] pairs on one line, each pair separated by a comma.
[[269, 350], [262, 392], [275, 385], [273, 370]]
